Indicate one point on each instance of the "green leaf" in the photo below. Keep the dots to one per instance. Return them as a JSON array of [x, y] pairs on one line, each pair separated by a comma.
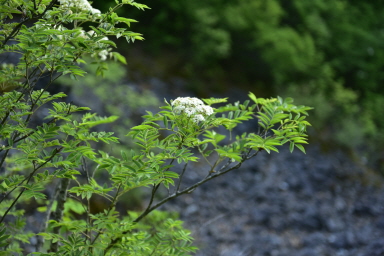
[[211, 101], [3, 237], [252, 97], [171, 174], [232, 155], [142, 127], [125, 20], [291, 146], [301, 148], [271, 148], [119, 57], [95, 120]]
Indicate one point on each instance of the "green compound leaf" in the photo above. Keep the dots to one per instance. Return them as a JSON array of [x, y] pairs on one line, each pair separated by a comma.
[[211, 101]]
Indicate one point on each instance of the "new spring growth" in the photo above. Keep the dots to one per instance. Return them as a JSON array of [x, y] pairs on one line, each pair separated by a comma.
[[192, 107]]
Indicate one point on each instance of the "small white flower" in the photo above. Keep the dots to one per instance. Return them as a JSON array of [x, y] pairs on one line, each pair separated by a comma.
[[91, 32], [208, 110], [103, 54], [198, 118], [178, 109], [189, 111], [82, 34], [95, 11]]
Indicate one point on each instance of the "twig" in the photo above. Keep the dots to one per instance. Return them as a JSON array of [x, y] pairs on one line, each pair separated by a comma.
[[17, 28], [40, 239], [185, 191], [58, 214], [181, 177], [3, 158], [56, 151], [85, 170], [109, 210], [202, 153]]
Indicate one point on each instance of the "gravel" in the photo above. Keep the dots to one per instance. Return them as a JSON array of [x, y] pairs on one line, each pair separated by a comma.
[[287, 204]]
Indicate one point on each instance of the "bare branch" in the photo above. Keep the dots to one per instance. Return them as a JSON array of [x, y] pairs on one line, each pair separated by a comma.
[[44, 225], [58, 214], [56, 151], [181, 177], [212, 175], [109, 210]]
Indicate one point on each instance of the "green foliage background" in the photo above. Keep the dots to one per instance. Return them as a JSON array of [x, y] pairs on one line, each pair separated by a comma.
[[329, 54], [111, 95]]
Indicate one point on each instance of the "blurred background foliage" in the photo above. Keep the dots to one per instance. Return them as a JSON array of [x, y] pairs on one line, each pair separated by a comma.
[[111, 95], [325, 53]]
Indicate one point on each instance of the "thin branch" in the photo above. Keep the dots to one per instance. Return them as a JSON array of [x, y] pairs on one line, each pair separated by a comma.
[[185, 191], [56, 151], [202, 153], [85, 170], [27, 178], [214, 166], [191, 188], [32, 132], [24, 92], [109, 210], [44, 225], [4, 156], [58, 214], [14, 32], [18, 26], [146, 211], [42, 92], [181, 177], [154, 190]]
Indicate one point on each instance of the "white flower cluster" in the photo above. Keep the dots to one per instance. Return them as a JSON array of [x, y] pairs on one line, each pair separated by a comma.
[[192, 107], [81, 5]]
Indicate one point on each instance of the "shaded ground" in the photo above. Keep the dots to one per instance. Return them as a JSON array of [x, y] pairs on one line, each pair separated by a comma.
[[288, 204]]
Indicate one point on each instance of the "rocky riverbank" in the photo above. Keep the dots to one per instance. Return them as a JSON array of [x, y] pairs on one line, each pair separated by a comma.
[[288, 204]]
